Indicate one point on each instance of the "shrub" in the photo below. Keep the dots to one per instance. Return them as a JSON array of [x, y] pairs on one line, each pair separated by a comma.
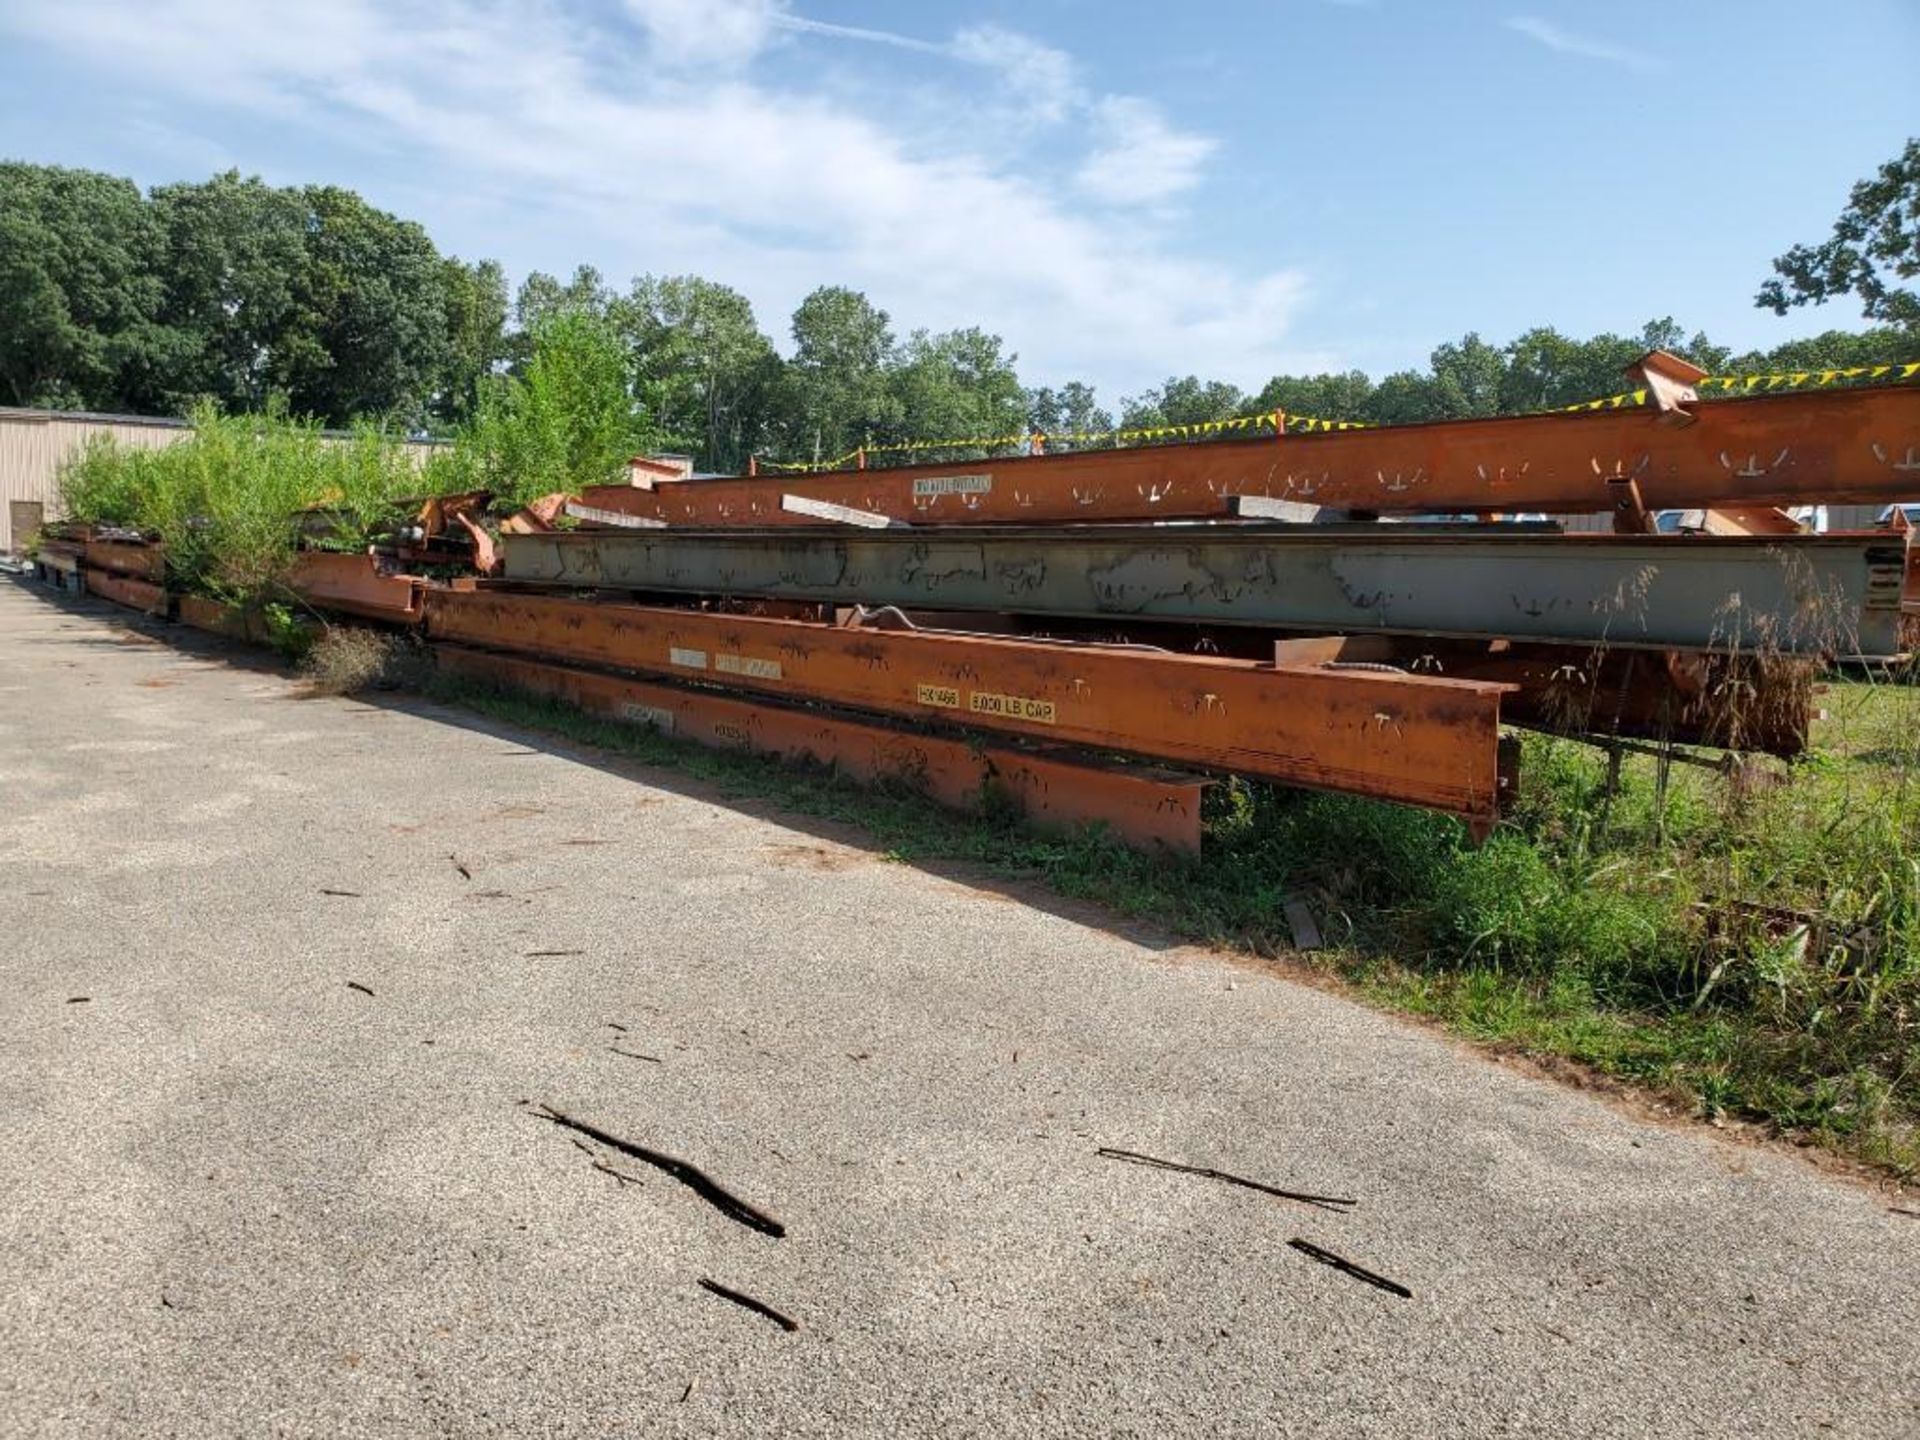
[[344, 659], [226, 501], [568, 421]]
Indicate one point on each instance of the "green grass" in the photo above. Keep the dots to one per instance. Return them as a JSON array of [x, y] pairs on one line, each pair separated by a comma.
[[1607, 932]]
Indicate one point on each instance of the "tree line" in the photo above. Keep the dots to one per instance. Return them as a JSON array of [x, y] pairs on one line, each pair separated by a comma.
[[309, 299]]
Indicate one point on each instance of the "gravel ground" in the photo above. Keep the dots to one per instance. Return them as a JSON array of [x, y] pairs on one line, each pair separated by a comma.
[[240, 1195]]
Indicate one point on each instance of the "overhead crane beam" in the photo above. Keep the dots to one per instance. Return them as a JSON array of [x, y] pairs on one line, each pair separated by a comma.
[[1847, 446], [1811, 595], [1417, 740]]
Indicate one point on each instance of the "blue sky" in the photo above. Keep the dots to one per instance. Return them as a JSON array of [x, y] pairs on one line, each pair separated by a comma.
[[1123, 191]]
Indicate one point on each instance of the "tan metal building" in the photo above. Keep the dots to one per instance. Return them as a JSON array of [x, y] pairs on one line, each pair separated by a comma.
[[34, 443]]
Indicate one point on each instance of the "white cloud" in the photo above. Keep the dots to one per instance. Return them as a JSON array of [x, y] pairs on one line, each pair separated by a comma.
[[1140, 158], [1567, 43], [607, 160], [1045, 81], [694, 33]]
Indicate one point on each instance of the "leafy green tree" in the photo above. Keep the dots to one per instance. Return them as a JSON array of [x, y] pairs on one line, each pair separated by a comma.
[[370, 333], [79, 289], [541, 296], [1832, 350], [1405, 397], [1874, 246], [954, 386], [235, 250], [1546, 370], [312, 293], [705, 371], [477, 321], [835, 393], [1321, 397], [1466, 378], [1666, 334], [1073, 409], [566, 421], [1183, 400]]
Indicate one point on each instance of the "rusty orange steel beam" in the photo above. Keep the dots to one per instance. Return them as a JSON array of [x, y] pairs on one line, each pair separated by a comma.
[[1145, 808], [354, 584], [142, 562], [126, 590], [1418, 740], [1837, 446], [218, 618]]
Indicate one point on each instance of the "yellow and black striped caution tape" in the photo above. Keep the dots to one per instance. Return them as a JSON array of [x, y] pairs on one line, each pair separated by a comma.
[[1606, 402], [1746, 384], [1311, 424], [1039, 440], [790, 467], [1759, 384]]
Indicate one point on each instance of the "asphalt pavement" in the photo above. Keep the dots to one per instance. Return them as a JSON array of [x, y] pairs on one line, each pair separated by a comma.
[[285, 978]]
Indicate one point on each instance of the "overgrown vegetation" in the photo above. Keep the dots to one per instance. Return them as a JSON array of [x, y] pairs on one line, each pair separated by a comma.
[[1751, 952], [567, 420], [226, 501]]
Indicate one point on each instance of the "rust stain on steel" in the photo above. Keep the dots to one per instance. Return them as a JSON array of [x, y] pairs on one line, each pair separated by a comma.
[[1834, 446], [142, 595], [219, 619], [1147, 809], [1435, 746], [355, 585], [1733, 702], [122, 557]]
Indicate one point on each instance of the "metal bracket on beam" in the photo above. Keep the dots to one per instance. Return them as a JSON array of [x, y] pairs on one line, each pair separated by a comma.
[[1669, 381], [839, 514], [1630, 515]]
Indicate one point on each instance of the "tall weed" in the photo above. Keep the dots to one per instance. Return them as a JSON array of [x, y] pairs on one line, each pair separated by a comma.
[[226, 500]]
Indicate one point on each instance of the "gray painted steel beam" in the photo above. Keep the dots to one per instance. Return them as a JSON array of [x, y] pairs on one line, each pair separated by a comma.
[[1799, 595]]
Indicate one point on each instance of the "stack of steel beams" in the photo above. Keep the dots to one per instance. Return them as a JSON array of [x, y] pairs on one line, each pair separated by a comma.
[[1356, 611]]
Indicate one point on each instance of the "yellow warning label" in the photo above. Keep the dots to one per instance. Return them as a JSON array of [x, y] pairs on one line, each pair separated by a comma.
[[1014, 707], [945, 696]]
